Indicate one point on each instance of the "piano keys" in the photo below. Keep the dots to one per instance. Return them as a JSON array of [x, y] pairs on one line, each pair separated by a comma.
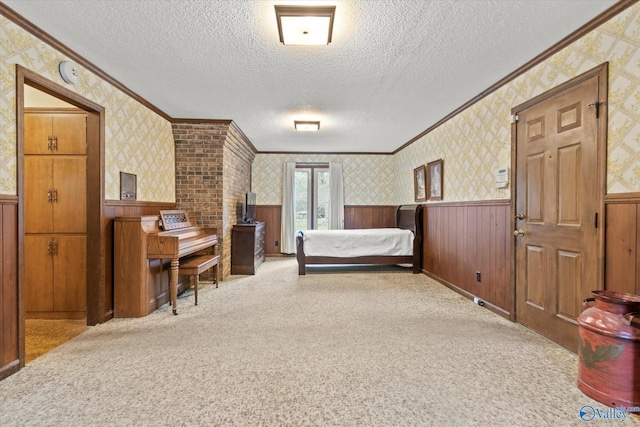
[[146, 260]]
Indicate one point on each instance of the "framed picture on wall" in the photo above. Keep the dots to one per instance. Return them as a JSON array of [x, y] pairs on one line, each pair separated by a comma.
[[420, 183], [434, 180]]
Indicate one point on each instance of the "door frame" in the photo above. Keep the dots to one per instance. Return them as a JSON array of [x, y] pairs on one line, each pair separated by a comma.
[[96, 233], [602, 72]]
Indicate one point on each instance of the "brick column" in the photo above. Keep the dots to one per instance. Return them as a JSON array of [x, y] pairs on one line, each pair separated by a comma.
[[213, 172]]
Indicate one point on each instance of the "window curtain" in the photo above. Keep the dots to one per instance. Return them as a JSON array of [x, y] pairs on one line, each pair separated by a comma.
[[336, 197], [288, 233]]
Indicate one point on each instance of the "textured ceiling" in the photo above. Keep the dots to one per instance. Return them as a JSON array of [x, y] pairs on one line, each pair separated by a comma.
[[392, 70]]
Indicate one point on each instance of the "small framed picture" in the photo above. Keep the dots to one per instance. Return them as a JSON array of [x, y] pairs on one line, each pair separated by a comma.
[[434, 181], [420, 183]]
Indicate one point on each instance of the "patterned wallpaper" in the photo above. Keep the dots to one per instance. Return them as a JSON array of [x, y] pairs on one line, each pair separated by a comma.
[[473, 144], [368, 179], [137, 140], [478, 141]]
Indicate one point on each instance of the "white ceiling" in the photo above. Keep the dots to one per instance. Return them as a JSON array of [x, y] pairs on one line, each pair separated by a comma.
[[393, 68]]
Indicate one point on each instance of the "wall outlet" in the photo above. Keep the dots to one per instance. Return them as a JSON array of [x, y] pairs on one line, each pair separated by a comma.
[[478, 301], [478, 277], [277, 243]]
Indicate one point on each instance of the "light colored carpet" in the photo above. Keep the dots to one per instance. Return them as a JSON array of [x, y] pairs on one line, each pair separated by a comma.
[[359, 348]]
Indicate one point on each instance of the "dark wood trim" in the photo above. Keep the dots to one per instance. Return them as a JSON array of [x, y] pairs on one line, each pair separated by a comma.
[[494, 202], [8, 200], [599, 69], [48, 110], [177, 121], [491, 307], [9, 369], [244, 137], [138, 203], [43, 84], [373, 206], [9, 327], [622, 198], [36, 31], [512, 243], [335, 153], [580, 32]]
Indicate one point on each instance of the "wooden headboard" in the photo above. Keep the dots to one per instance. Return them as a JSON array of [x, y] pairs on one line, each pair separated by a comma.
[[409, 217]]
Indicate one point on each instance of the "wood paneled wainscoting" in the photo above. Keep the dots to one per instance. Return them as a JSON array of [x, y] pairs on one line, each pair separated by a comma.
[[354, 217], [118, 208], [622, 243], [463, 239], [9, 337]]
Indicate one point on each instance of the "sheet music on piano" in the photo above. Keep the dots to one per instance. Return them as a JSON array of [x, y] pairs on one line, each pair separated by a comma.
[[172, 219]]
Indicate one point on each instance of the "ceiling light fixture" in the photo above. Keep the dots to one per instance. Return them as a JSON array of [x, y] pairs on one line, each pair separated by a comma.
[[306, 126], [305, 25]]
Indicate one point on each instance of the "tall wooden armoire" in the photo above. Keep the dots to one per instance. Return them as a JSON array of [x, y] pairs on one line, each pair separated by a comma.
[[55, 213]]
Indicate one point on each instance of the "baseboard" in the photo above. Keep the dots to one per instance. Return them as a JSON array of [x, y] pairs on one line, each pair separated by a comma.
[[9, 369], [492, 307]]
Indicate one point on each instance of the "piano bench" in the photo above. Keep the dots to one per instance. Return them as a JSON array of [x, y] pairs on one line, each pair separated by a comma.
[[193, 266]]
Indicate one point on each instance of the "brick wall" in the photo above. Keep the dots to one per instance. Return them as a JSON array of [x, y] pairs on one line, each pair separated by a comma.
[[238, 158], [213, 172]]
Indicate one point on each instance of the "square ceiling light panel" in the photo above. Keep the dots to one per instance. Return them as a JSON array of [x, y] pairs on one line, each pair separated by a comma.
[[305, 25], [306, 126]]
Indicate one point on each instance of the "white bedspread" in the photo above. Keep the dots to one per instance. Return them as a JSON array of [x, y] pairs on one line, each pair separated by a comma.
[[355, 243]]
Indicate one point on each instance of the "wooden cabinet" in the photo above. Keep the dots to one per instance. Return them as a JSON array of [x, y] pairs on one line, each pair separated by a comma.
[[247, 247], [55, 133], [60, 267], [55, 197], [55, 220]]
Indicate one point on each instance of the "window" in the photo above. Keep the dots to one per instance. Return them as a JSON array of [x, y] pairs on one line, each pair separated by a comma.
[[312, 197]]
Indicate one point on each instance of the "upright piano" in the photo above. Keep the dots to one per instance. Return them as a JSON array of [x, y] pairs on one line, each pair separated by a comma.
[[145, 249]]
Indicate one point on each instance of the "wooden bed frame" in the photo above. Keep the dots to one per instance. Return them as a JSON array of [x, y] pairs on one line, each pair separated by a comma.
[[408, 217]]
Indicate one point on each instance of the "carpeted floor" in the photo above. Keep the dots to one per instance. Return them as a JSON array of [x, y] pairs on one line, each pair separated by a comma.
[[42, 336], [355, 348]]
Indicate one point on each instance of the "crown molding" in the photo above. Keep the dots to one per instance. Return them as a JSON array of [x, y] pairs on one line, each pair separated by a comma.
[[580, 32]]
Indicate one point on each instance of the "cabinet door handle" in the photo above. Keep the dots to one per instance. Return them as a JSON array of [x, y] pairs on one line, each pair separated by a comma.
[[55, 143], [55, 196], [52, 248], [49, 143], [50, 196]]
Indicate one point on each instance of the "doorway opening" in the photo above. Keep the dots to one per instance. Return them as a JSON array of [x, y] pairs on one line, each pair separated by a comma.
[[63, 179]]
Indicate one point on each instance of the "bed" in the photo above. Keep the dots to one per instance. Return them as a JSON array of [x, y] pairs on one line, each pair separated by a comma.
[[401, 245]]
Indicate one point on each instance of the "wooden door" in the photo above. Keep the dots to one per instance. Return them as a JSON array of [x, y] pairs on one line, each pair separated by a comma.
[[55, 215], [38, 207], [55, 133], [557, 206], [70, 194], [38, 130], [70, 274], [70, 133], [38, 273]]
